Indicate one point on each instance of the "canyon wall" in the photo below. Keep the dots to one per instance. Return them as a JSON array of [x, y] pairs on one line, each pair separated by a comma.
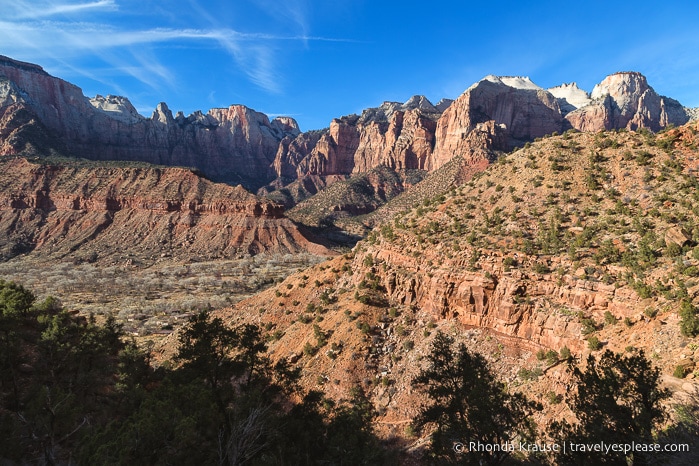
[[233, 145], [625, 100]]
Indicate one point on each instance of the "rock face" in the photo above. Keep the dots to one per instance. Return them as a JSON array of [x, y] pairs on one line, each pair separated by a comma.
[[625, 100], [234, 144], [146, 212], [418, 135], [117, 107], [399, 136], [490, 300], [506, 111], [570, 97]]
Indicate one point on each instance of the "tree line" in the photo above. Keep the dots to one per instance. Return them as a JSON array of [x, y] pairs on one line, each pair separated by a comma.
[[76, 392]]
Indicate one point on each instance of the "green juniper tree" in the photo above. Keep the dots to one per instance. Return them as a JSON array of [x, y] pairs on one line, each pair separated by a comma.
[[617, 400], [468, 404]]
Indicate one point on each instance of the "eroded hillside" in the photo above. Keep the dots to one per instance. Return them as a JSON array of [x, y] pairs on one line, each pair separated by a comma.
[[576, 242], [144, 212]]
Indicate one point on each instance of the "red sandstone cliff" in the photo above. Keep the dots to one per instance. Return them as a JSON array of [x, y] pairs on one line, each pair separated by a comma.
[[239, 145], [625, 100], [514, 109], [399, 136], [234, 144]]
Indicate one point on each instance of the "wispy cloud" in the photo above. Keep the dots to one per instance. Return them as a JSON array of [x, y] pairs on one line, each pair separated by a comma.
[[63, 31], [294, 12], [22, 10], [256, 61]]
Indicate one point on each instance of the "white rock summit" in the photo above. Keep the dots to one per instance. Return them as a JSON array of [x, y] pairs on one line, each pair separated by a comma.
[[625, 100], [570, 97], [117, 107]]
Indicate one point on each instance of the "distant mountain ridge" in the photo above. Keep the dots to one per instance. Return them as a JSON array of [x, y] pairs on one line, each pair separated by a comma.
[[238, 145]]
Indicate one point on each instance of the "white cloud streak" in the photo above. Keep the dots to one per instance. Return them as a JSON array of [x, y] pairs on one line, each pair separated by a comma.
[[22, 10], [60, 40]]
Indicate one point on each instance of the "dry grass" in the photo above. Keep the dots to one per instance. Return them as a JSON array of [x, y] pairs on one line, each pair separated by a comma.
[[158, 298]]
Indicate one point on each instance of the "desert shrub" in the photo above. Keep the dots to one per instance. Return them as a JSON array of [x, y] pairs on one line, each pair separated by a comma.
[[609, 318], [593, 343], [551, 357], [680, 372], [553, 398], [565, 353], [689, 321]]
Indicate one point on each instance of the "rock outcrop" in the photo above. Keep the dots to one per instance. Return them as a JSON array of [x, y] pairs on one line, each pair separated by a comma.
[[625, 100], [490, 298], [399, 136], [570, 97], [145, 213]]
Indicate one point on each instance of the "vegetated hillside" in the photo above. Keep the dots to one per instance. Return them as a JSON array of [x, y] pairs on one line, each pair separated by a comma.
[[343, 204], [365, 200], [574, 243], [452, 174]]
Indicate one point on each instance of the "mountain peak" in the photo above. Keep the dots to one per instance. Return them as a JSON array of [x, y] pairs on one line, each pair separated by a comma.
[[621, 83], [286, 126], [388, 108], [570, 97], [626, 100], [420, 102], [444, 104], [517, 82], [117, 107]]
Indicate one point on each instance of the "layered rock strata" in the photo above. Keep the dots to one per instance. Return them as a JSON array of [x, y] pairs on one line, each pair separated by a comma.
[[234, 144], [625, 100], [141, 212]]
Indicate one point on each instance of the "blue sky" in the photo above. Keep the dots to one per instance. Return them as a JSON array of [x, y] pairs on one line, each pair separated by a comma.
[[319, 59]]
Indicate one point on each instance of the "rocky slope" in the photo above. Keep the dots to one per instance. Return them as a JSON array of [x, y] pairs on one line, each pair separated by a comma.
[[578, 236], [509, 110], [345, 202], [112, 213], [495, 114]]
